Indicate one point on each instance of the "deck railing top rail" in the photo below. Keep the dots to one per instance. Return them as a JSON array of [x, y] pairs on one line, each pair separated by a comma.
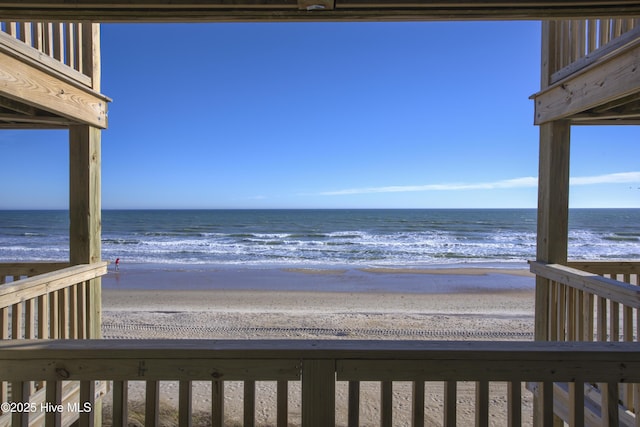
[[205, 359], [32, 287], [614, 290]]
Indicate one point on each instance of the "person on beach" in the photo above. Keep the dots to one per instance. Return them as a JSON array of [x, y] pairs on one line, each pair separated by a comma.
[[117, 264]]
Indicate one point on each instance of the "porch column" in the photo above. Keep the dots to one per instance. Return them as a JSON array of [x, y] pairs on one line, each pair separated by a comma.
[[553, 211], [84, 211]]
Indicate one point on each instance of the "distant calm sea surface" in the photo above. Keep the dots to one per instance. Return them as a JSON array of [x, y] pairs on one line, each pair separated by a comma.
[[320, 237]]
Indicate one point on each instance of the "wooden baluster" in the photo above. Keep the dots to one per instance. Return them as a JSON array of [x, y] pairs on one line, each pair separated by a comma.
[[63, 312], [547, 404], [184, 404], [4, 335], [47, 31], [450, 403], [29, 319], [16, 321], [576, 404], [602, 319], [386, 403], [81, 307], [579, 317], [417, 406], [282, 404], [12, 29], [617, 28], [588, 317], [54, 396], [73, 312], [43, 314], [120, 403], [249, 412], [553, 312], [87, 397], [354, 404], [605, 31], [514, 404], [217, 403], [54, 320], [626, 390], [152, 404], [482, 403], [592, 39], [58, 41], [614, 321], [69, 44], [562, 311], [20, 393], [26, 33], [38, 36]]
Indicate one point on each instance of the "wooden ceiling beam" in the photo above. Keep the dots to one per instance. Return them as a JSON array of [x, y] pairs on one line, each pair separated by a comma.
[[306, 10]]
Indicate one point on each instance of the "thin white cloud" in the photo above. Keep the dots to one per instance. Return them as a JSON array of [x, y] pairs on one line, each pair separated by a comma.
[[612, 178], [524, 182]]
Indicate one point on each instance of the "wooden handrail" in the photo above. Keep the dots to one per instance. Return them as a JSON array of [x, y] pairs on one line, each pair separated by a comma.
[[21, 270], [43, 284], [613, 290]]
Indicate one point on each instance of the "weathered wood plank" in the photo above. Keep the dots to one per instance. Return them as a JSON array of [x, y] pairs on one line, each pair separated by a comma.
[[597, 84], [282, 410], [185, 396], [120, 403], [354, 404], [217, 403], [22, 82], [152, 404], [450, 403], [249, 404], [318, 393], [288, 10], [386, 403], [417, 404]]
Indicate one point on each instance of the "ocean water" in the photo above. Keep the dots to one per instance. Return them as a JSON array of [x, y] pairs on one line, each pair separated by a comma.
[[321, 237]]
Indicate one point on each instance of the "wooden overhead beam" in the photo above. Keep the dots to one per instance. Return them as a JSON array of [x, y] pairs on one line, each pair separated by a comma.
[[28, 85], [304, 10], [600, 84]]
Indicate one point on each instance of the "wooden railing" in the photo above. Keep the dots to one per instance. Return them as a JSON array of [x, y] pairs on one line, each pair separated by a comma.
[[580, 42], [68, 48], [51, 305], [586, 306], [318, 365], [14, 271]]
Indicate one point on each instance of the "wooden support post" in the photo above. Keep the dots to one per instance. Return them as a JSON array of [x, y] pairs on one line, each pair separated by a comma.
[[553, 207], [318, 393], [84, 210]]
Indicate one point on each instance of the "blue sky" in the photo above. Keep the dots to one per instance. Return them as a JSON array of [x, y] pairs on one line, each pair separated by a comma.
[[322, 115]]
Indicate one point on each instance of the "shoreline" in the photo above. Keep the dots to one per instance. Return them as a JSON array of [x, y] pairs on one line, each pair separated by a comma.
[[329, 278]]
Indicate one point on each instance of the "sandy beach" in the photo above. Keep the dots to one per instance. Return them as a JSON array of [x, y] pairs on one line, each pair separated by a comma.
[[326, 303]]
